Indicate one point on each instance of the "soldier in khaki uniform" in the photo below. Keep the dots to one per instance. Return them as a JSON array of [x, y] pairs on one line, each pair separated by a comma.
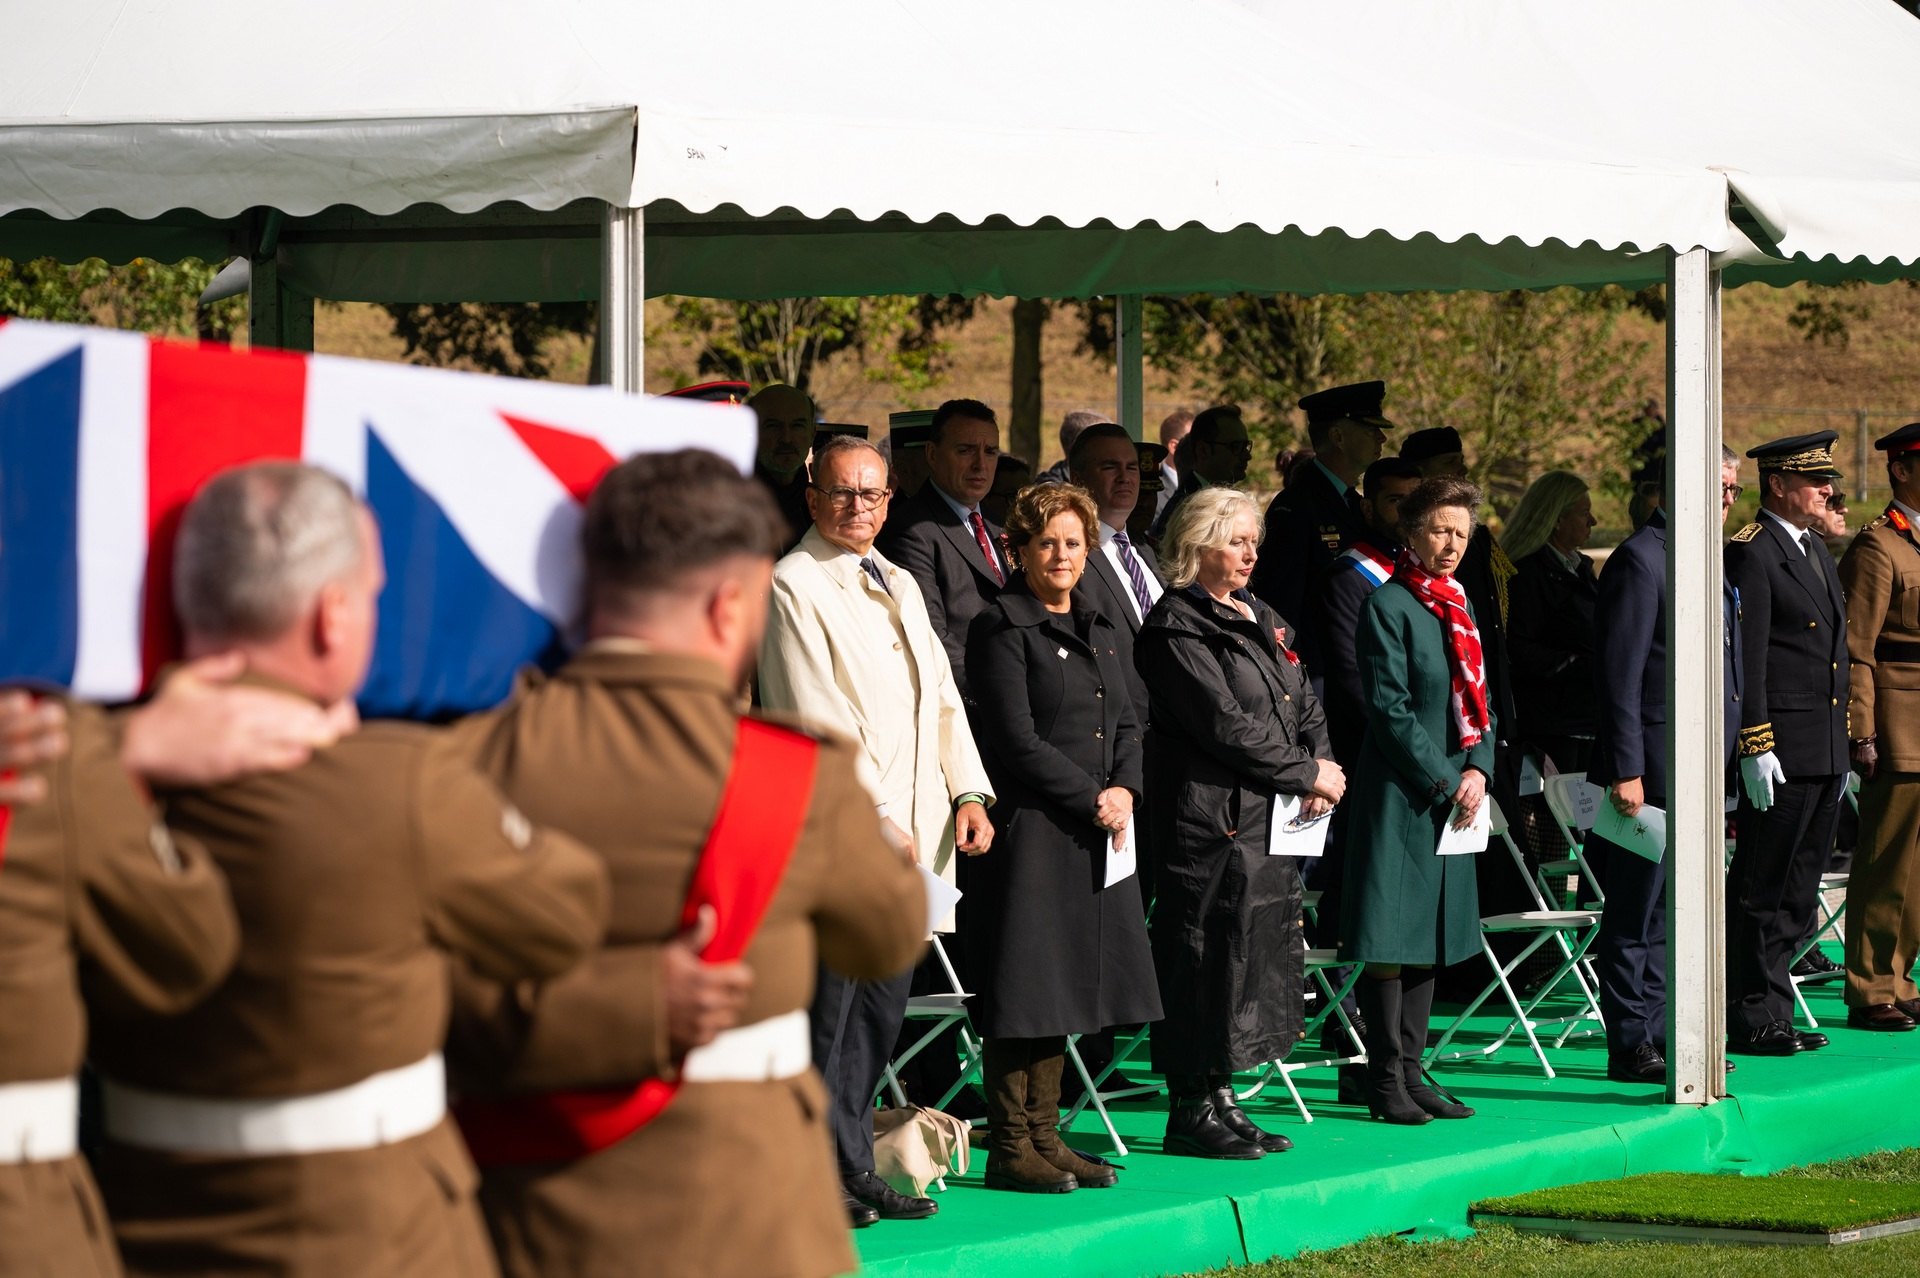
[[90, 882], [294, 1123], [628, 748], [1881, 575]]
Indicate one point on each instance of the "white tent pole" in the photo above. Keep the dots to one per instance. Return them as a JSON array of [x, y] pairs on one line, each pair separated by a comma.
[[1696, 885], [1129, 362], [623, 299]]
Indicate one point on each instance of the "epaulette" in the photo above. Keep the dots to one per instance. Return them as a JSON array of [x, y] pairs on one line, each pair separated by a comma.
[[1756, 740], [1881, 522], [1748, 533]]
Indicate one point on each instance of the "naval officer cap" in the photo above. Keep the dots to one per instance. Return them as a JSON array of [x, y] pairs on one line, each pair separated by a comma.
[[1359, 402], [1904, 442], [1809, 455]]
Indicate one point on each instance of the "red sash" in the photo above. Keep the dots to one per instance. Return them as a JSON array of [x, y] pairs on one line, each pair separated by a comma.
[[754, 833], [6, 819]]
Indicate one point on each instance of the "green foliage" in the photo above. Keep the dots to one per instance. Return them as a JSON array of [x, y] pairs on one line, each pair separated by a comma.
[[1827, 314], [898, 339], [143, 295], [493, 337], [1523, 376]]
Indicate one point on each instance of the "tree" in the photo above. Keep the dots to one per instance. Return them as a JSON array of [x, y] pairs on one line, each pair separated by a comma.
[[493, 337], [1027, 374], [142, 295]]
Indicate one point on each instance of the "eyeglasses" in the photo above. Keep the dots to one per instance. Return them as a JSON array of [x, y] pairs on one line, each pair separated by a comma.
[[866, 498], [1732, 491]]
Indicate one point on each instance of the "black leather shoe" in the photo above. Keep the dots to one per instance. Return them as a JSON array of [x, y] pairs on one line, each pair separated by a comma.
[[1775, 1038], [1879, 1016], [1240, 1125], [859, 1215], [877, 1194], [1810, 1041], [1815, 968], [1194, 1129], [1642, 1064], [1911, 1006]]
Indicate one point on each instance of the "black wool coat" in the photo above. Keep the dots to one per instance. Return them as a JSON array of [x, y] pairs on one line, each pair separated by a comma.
[[1550, 610], [1049, 949], [1233, 722]]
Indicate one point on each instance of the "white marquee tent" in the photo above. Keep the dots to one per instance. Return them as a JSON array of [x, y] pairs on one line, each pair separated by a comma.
[[489, 149]]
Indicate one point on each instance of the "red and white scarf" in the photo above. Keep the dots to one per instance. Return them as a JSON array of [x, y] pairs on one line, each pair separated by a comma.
[[1443, 597]]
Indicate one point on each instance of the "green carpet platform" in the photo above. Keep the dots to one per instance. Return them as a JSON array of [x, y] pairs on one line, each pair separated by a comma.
[[1349, 1177]]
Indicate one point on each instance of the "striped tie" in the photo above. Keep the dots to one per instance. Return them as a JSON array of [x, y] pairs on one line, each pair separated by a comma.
[[986, 547], [1136, 573]]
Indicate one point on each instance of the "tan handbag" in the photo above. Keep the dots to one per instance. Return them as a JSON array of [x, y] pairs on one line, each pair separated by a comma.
[[915, 1146]]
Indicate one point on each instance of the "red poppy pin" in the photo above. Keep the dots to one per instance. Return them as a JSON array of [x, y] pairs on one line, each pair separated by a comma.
[[1280, 641]]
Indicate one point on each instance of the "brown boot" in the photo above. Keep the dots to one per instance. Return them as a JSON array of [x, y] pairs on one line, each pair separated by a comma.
[[1049, 1064], [1012, 1161]]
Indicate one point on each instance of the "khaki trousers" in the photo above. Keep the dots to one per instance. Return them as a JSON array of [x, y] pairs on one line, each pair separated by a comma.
[[1883, 892]]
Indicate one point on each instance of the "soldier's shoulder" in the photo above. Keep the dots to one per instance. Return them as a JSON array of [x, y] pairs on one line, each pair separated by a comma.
[[1746, 534]]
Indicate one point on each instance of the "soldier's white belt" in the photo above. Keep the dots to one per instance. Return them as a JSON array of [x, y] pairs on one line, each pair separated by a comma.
[[39, 1121], [778, 1047], [379, 1110]]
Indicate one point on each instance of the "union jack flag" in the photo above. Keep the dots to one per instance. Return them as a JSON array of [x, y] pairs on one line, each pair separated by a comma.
[[476, 482]]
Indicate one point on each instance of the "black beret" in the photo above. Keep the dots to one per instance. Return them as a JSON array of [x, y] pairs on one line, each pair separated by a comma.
[[1434, 441]]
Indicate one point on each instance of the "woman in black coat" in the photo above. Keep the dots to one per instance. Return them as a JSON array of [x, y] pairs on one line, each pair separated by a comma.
[[1550, 619], [1050, 949], [1233, 723]]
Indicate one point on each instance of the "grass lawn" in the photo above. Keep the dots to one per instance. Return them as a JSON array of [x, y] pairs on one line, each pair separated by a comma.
[[1501, 1251]]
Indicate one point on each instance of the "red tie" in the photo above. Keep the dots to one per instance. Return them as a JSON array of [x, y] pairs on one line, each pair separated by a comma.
[[986, 547]]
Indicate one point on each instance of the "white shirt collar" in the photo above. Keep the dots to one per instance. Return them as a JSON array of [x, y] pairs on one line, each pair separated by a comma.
[[1796, 535], [966, 513]]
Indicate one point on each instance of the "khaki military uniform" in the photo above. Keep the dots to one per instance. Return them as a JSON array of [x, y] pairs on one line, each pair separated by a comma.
[[354, 876], [1881, 575], [629, 751], [92, 890]]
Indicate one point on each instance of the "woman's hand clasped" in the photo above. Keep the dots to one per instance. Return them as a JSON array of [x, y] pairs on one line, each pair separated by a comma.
[[1330, 784], [1468, 797], [1113, 808]]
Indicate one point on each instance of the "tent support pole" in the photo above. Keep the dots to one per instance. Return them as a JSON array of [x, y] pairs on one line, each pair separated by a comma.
[[623, 299], [1129, 363], [1696, 818]]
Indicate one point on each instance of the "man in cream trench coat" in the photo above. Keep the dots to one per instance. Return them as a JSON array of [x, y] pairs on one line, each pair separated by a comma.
[[850, 649]]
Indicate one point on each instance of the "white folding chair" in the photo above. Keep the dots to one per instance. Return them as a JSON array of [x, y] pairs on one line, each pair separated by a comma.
[[938, 1012], [1094, 1090], [1572, 931], [1574, 802], [1831, 917], [1329, 994]]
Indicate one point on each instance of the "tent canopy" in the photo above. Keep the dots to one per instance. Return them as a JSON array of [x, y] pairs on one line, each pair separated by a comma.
[[1060, 149]]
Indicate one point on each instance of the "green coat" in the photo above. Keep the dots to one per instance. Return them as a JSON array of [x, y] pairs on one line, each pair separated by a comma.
[[1403, 902]]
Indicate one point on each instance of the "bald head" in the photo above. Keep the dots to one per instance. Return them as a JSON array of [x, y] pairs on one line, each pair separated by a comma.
[[786, 418]]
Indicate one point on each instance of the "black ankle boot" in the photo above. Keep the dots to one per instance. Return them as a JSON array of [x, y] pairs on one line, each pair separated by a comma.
[[1386, 1087], [1235, 1119], [1194, 1127], [1416, 1009]]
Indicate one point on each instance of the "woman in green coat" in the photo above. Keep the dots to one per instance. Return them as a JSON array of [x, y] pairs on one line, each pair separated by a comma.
[[1427, 760]]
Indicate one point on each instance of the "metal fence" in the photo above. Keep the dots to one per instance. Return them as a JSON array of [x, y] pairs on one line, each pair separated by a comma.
[[1866, 472]]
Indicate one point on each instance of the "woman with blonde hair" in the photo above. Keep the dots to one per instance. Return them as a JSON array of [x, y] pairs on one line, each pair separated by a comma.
[[1051, 948], [1233, 723], [1550, 623]]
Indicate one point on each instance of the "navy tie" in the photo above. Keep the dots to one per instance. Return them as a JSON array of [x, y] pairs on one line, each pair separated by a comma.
[[879, 579], [1136, 573]]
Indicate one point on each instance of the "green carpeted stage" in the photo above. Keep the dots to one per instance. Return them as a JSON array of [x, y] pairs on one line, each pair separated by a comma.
[[1349, 1177]]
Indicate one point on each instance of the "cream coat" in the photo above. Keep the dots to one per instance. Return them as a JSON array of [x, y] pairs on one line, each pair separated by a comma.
[[853, 660]]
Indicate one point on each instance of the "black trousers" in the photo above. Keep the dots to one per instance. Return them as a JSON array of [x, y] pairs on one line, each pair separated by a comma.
[[1630, 954], [854, 1027], [1777, 864]]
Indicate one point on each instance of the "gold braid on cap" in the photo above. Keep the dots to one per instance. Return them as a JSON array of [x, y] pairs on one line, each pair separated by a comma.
[[1820, 458], [1756, 740]]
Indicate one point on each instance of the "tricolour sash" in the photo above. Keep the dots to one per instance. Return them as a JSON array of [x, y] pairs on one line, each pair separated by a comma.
[[762, 808]]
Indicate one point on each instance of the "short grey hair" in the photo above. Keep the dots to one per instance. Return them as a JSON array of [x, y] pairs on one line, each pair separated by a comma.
[[256, 545], [1729, 458], [1203, 522]]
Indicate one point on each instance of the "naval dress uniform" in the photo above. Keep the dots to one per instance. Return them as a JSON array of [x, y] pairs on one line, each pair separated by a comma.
[[1793, 712]]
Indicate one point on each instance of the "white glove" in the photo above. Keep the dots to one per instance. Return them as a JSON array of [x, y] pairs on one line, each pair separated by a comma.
[[1759, 773]]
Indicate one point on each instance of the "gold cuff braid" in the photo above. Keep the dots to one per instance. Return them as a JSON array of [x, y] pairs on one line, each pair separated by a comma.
[[1756, 740]]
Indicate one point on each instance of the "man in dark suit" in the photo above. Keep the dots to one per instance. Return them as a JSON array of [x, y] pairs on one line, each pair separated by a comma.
[[1630, 759], [786, 420], [1317, 516], [942, 537], [1122, 576], [1214, 453], [1793, 738]]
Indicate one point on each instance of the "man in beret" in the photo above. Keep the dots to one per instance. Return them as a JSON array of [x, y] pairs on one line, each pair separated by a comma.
[[1320, 514], [1881, 575], [1793, 738]]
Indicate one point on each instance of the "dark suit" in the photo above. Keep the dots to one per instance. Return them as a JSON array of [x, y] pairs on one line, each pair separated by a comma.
[[1630, 740], [925, 537], [791, 496], [1794, 627], [1308, 526], [1110, 592]]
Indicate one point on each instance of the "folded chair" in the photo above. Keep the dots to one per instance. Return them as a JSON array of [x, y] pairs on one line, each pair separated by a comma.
[[1331, 981], [1574, 819], [1831, 917], [1572, 931]]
